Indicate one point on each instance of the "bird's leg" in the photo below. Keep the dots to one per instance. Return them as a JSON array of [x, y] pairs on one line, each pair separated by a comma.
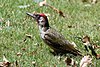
[[54, 52], [57, 53]]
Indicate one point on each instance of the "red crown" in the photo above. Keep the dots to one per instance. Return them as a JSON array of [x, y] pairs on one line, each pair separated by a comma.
[[43, 15]]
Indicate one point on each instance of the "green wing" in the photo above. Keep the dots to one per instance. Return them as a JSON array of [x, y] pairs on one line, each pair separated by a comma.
[[58, 40]]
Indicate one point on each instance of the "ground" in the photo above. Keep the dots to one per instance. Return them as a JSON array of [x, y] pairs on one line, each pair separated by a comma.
[[81, 19]]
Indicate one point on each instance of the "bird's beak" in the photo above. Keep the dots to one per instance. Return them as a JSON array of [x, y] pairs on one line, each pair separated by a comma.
[[32, 15]]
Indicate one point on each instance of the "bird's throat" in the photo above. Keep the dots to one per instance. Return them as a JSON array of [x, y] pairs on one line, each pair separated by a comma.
[[43, 31]]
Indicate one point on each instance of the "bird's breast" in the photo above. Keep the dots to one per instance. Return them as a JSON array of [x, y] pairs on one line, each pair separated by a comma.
[[42, 35]]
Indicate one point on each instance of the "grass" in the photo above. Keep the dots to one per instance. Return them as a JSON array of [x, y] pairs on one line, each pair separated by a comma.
[[81, 17]]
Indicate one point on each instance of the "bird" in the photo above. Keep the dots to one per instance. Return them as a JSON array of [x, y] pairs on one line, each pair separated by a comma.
[[52, 37]]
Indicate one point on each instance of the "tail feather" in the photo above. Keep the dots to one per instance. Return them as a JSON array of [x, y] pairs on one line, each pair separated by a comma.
[[76, 52]]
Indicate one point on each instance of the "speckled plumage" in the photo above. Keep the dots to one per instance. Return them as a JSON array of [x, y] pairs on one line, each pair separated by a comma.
[[53, 38], [58, 43]]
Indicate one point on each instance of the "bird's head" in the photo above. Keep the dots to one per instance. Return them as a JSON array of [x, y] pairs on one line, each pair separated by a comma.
[[41, 19]]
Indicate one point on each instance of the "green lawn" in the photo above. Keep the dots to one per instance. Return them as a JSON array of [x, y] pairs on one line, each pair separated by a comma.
[[84, 20]]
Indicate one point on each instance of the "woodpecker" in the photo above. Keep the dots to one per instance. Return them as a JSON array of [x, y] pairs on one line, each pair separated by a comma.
[[53, 38]]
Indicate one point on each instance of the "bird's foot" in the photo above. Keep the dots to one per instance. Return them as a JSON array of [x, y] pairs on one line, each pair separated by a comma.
[[56, 53]]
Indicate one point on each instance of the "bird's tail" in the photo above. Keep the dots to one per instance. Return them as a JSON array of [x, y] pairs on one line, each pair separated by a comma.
[[79, 53], [76, 53]]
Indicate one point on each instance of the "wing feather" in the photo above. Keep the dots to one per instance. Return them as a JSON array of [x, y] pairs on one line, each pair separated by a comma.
[[58, 40]]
